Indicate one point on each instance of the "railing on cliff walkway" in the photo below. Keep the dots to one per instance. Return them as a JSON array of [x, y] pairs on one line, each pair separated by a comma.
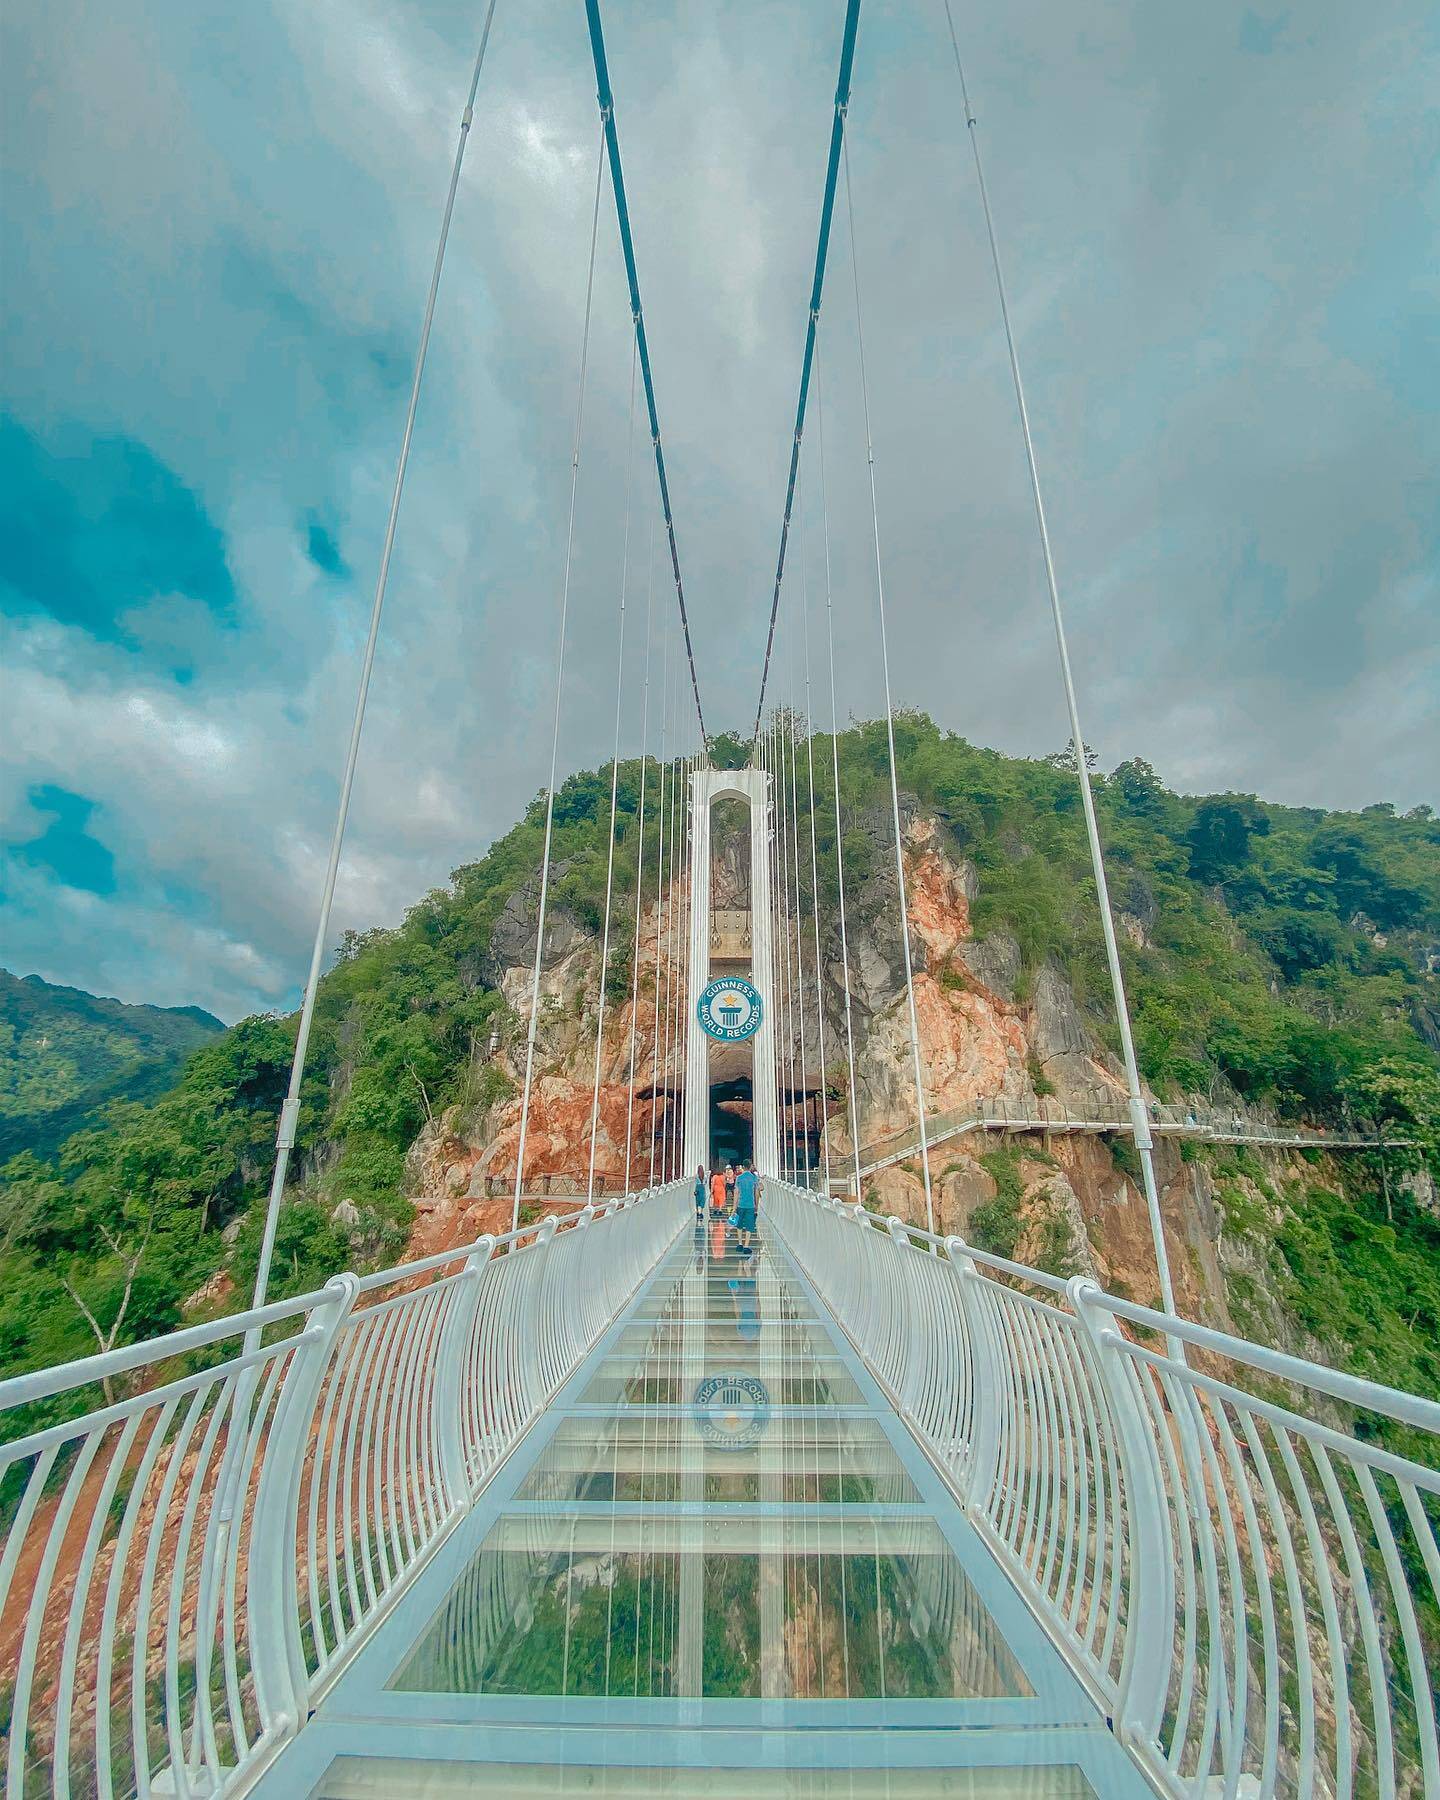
[[1103, 1110], [1234, 1548], [197, 1534]]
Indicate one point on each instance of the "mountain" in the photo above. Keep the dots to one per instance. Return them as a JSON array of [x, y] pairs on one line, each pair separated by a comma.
[[1281, 961], [66, 1054]]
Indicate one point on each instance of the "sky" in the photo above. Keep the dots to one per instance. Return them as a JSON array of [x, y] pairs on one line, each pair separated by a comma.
[[1221, 228]]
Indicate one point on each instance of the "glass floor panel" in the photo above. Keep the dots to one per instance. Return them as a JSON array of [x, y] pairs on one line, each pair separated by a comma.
[[739, 1606], [657, 1381], [360, 1778], [680, 1336], [728, 1305], [815, 1460]]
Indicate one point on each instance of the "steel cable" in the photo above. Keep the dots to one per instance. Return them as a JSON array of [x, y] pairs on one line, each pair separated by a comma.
[[290, 1109], [640, 854], [559, 688], [835, 776], [889, 709], [1138, 1119], [614, 783], [814, 859]]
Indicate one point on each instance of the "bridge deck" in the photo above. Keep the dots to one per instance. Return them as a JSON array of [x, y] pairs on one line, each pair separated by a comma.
[[720, 1564]]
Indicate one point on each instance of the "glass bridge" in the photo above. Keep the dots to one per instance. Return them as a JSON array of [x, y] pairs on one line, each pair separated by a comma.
[[608, 1506], [719, 1563]]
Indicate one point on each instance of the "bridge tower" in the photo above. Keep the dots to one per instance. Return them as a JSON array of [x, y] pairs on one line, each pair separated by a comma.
[[753, 787]]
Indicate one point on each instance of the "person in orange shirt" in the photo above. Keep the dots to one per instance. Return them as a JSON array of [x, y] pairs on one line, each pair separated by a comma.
[[717, 1194]]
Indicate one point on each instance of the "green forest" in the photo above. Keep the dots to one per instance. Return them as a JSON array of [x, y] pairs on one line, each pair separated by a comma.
[[1287, 955], [66, 1055]]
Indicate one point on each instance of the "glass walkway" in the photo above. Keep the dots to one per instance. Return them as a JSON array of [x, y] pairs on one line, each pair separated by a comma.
[[718, 1564]]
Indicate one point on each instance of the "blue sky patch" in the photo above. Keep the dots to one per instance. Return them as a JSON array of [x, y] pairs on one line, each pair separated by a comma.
[[65, 847], [324, 548], [93, 529]]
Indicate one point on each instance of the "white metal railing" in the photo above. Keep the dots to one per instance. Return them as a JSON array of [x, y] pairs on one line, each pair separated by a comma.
[[1105, 1110], [1243, 1573], [195, 1537]]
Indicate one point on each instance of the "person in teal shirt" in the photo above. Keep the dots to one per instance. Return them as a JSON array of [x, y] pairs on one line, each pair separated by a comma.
[[747, 1204]]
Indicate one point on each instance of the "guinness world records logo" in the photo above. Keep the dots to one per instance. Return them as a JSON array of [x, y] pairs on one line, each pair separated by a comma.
[[731, 1411], [729, 1010]]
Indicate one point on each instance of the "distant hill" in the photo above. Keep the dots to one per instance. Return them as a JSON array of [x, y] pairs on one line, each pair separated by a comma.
[[65, 1054]]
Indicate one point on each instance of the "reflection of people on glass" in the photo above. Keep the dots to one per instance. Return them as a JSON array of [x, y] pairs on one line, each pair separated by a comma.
[[717, 1236], [747, 1205], [745, 1302]]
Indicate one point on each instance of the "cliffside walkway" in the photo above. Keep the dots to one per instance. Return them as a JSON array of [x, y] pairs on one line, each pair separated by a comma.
[[1106, 1114], [610, 1507]]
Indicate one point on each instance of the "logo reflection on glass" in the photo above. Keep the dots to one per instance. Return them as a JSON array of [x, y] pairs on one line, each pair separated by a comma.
[[729, 1010], [731, 1411]]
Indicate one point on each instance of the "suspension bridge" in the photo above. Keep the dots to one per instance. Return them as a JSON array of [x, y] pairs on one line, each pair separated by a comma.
[[615, 1503]]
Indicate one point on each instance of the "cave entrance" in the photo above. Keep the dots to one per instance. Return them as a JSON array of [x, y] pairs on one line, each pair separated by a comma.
[[802, 1118], [732, 1130]]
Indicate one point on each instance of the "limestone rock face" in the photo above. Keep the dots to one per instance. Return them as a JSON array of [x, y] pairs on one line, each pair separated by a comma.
[[989, 1031]]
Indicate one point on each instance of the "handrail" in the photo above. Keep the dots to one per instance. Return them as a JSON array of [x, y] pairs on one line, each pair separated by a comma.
[[1105, 1112], [185, 1567], [1247, 1581], [102, 1365]]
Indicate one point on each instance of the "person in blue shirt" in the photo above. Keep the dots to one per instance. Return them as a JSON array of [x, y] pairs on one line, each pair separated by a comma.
[[700, 1190], [747, 1204]]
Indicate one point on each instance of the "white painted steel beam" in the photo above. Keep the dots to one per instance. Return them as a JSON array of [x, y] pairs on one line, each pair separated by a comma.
[[753, 787]]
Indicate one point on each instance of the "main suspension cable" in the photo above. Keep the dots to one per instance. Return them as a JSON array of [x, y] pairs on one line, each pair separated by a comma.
[[817, 292], [559, 689], [1139, 1122], [627, 244], [614, 786], [889, 709], [290, 1108]]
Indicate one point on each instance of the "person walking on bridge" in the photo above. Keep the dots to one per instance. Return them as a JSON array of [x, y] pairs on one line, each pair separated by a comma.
[[747, 1204], [717, 1193], [700, 1186]]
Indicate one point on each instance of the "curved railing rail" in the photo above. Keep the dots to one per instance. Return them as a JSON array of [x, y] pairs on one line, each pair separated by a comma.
[[197, 1535], [1235, 1549]]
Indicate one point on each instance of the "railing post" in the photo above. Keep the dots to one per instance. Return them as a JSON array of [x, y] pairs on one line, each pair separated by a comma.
[[453, 1371], [982, 1413], [1150, 1623], [272, 1576], [536, 1375], [910, 1363]]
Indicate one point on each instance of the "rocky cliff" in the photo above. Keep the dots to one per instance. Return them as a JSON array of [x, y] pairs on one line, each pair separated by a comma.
[[990, 1032]]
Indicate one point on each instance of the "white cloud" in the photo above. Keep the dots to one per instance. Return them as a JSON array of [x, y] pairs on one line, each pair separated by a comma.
[[224, 229]]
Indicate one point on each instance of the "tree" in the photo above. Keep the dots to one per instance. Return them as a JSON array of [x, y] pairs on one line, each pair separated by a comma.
[[1138, 790], [129, 1256], [1065, 759], [728, 750], [1406, 1095], [1219, 836]]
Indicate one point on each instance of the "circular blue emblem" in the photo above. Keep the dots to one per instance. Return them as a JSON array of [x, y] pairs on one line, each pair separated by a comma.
[[729, 1010], [731, 1411]]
